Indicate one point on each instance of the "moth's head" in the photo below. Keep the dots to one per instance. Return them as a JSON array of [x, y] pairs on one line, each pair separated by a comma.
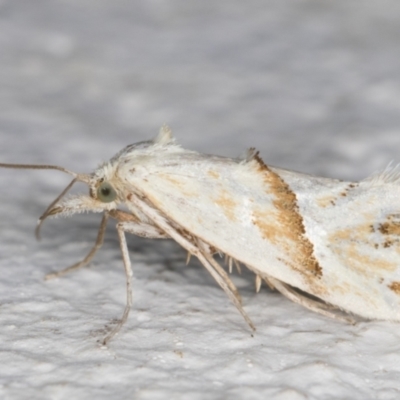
[[107, 184], [106, 187], [102, 195]]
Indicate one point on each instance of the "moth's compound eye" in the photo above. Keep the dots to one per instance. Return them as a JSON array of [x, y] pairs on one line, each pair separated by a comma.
[[106, 193]]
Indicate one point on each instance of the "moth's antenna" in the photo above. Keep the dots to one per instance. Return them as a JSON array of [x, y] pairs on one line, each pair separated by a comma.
[[37, 166], [77, 178]]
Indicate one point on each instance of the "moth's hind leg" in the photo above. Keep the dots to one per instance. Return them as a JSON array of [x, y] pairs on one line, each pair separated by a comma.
[[90, 255], [313, 305]]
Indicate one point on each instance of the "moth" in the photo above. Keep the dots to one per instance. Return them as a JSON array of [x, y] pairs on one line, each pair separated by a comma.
[[326, 244]]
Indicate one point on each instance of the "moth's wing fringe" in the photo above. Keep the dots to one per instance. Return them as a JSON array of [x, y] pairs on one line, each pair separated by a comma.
[[230, 261], [313, 305], [258, 283], [391, 174]]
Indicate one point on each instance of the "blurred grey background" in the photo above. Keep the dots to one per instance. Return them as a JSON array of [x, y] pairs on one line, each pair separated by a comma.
[[314, 85]]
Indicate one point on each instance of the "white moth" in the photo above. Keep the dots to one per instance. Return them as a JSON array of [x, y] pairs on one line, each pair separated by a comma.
[[337, 241]]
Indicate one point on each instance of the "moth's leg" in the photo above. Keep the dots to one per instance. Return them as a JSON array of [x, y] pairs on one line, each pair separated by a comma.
[[90, 255], [268, 282], [121, 229], [136, 227], [139, 229], [258, 283], [230, 260], [208, 255], [221, 277], [187, 242], [316, 306]]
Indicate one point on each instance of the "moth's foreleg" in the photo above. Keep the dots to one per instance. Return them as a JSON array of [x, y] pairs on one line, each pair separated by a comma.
[[129, 225], [123, 227], [313, 305], [90, 255]]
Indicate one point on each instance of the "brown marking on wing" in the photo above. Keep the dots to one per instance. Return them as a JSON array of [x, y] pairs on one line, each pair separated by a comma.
[[395, 287], [179, 184], [392, 243], [171, 179], [332, 199], [284, 227], [326, 201], [365, 263], [344, 288], [227, 204], [265, 222], [360, 233], [390, 231], [348, 244], [390, 228], [213, 174]]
